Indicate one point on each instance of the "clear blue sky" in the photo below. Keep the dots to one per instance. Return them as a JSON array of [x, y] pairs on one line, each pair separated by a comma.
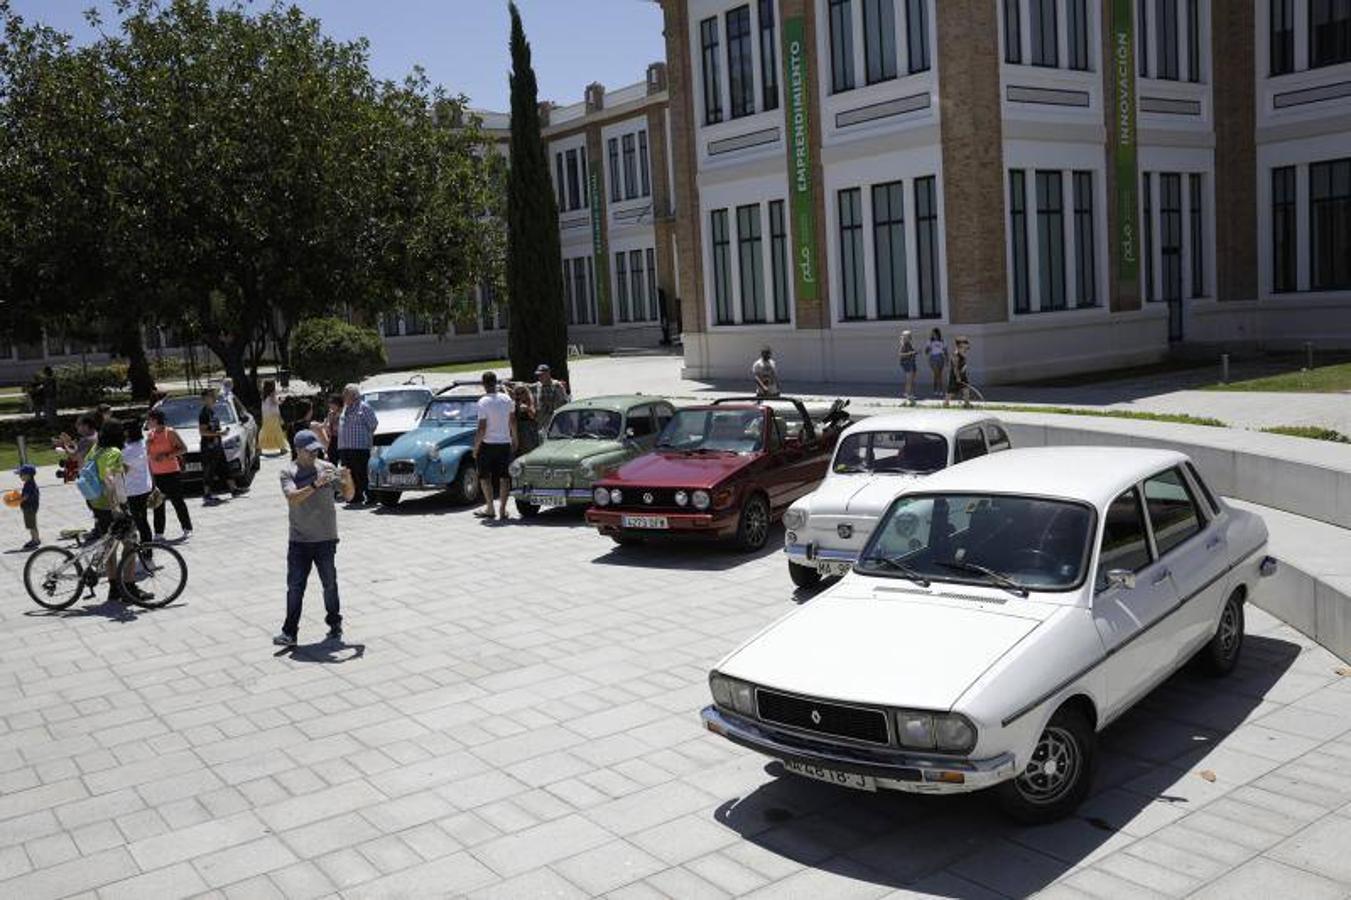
[[463, 43]]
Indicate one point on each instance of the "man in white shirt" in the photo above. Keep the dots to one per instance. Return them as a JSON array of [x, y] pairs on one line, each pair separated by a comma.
[[494, 445], [766, 374]]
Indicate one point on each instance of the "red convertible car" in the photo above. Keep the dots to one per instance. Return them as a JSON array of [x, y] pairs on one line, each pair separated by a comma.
[[724, 471]]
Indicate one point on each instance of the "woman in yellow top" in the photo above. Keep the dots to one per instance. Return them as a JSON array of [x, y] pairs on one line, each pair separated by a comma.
[[272, 438]]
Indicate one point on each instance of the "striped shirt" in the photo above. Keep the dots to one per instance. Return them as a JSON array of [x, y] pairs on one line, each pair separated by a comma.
[[356, 426]]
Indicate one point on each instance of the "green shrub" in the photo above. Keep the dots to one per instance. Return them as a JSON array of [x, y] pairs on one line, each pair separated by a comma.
[[1313, 432], [88, 385], [166, 367], [330, 353]]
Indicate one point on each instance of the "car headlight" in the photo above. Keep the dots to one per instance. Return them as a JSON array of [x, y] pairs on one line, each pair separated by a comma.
[[681, 498], [434, 453], [732, 694], [795, 518], [948, 732], [601, 496], [516, 468], [587, 469], [616, 496], [701, 499]]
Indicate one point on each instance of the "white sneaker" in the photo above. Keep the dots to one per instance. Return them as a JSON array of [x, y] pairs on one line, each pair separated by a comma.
[[187, 533]]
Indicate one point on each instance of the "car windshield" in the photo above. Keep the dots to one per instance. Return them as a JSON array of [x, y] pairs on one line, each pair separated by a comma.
[[182, 412], [714, 430], [602, 424], [451, 411], [891, 452], [1014, 542], [383, 401]]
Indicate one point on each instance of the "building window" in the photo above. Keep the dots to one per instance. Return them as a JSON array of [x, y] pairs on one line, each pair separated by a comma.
[[630, 168], [574, 182], [1170, 234], [637, 285], [1330, 225], [616, 190], [917, 32], [621, 286], [568, 302], [1329, 32], [1018, 229], [893, 299], [769, 57], [1045, 36], [708, 34], [1076, 40], [1198, 259], [644, 171], [1085, 242], [879, 40], [740, 62], [722, 272], [1284, 231], [1142, 37], [751, 261], [1147, 234], [926, 242], [841, 45], [1194, 40], [778, 257], [653, 297], [561, 182], [852, 290], [1166, 13], [1051, 239], [1282, 37], [1013, 31]]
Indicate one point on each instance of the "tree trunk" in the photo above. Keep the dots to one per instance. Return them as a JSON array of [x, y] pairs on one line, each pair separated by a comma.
[[131, 346]]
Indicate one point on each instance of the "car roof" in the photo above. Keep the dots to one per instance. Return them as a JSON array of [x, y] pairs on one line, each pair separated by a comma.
[[614, 403], [1092, 474], [933, 420], [387, 388]]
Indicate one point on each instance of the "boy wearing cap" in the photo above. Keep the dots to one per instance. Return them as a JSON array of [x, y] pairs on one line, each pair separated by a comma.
[[29, 504]]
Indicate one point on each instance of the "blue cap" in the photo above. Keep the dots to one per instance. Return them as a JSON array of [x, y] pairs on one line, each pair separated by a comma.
[[26, 469], [308, 441]]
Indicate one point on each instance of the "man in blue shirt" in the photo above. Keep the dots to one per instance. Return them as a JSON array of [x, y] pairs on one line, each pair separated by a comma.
[[356, 434]]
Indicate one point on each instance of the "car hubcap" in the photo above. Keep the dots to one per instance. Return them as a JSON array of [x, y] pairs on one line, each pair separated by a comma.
[[470, 480], [757, 524], [1053, 769], [1229, 630]]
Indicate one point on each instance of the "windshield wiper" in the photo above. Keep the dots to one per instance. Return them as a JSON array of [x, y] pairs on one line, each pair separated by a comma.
[[907, 571], [998, 578]]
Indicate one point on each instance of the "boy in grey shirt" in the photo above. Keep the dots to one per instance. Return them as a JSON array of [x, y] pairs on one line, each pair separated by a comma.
[[312, 487]]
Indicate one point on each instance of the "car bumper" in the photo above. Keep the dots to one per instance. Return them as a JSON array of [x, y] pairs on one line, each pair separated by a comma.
[[893, 769], [710, 525], [553, 496], [812, 556]]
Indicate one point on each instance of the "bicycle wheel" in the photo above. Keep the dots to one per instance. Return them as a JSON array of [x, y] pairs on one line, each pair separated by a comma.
[[160, 575], [54, 577]]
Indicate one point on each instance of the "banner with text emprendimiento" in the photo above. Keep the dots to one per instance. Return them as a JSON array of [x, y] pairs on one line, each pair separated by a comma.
[[1124, 147], [801, 187]]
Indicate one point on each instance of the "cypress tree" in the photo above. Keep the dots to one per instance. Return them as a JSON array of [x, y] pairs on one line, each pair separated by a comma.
[[538, 330]]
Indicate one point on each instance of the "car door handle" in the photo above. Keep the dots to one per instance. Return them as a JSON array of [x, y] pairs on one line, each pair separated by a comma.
[[1214, 542], [1161, 577]]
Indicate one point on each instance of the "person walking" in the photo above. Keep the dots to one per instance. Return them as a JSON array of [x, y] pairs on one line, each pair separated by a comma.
[[494, 445], [215, 468], [527, 428], [272, 438], [937, 351], [29, 500], [909, 368], [311, 487], [356, 434], [136, 463], [166, 450], [550, 394], [766, 374], [303, 419], [959, 380]]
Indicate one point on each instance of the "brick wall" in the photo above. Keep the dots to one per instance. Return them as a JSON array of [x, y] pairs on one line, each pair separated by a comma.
[[1235, 91], [689, 252]]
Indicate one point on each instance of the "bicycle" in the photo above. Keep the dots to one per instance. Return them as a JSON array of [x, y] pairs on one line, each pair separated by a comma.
[[55, 577]]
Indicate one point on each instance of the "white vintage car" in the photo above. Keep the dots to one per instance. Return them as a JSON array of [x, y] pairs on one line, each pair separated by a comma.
[[1003, 613], [875, 460]]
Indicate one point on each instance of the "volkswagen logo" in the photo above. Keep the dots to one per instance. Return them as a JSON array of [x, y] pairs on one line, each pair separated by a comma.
[[844, 530], [647, 498], [816, 717]]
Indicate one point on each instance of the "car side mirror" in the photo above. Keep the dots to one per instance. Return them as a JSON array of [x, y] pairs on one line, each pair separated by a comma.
[[630, 433], [1121, 578]]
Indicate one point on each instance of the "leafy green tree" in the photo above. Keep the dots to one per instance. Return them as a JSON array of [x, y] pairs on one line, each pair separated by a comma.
[[534, 268], [332, 353]]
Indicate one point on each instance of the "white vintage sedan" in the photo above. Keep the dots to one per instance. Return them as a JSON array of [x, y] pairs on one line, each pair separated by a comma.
[[875, 460], [1002, 614]]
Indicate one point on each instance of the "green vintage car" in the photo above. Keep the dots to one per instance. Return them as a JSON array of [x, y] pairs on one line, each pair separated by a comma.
[[586, 440]]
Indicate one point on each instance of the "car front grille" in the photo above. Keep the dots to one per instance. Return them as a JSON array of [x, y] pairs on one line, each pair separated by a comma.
[[541, 477], [823, 717], [661, 498], [402, 467]]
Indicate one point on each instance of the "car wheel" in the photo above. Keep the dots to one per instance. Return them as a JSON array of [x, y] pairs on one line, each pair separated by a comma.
[[1220, 655], [804, 576], [527, 510], [465, 488], [388, 499], [1057, 776], [753, 528]]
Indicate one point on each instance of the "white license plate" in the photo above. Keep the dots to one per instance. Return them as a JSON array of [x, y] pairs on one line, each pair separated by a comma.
[[192, 467], [832, 776], [831, 569], [650, 522], [403, 480], [547, 500]]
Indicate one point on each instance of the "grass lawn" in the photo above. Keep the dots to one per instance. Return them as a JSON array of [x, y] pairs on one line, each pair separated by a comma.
[[1176, 418], [476, 367], [40, 455], [1319, 380]]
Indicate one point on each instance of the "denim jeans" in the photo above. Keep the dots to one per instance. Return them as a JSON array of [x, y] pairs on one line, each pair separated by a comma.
[[299, 557]]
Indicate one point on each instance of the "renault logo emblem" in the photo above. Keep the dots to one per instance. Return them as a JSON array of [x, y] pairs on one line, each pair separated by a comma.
[[845, 530], [647, 498], [816, 717]]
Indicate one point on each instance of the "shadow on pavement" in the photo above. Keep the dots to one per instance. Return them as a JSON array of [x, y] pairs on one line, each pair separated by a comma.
[[326, 652], [113, 610], [1149, 766], [688, 554]]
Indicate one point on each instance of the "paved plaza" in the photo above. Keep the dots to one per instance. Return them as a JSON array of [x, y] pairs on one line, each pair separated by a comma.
[[514, 714]]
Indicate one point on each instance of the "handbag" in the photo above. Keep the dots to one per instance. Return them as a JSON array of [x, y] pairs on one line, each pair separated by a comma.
[[155, 500]]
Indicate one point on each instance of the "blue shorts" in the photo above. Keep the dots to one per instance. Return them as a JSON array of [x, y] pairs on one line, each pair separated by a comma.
[[908, 365]]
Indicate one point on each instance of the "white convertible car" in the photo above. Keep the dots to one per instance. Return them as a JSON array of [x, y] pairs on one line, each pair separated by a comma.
[[875, 460], [1002, 614]]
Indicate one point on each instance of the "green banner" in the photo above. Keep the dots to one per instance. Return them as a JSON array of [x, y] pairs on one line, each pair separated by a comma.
[[1124, 147], [598, 250], [801, 186]]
